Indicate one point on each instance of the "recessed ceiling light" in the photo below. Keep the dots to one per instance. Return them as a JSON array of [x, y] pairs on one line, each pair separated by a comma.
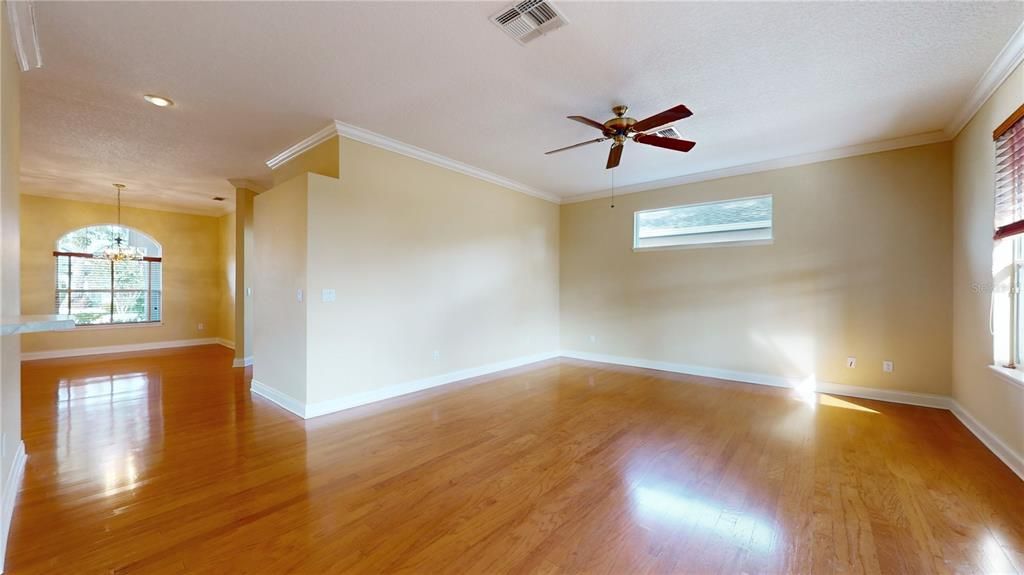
[[158, 100]]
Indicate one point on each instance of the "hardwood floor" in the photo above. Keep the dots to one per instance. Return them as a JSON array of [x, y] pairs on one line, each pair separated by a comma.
[[163, 462]]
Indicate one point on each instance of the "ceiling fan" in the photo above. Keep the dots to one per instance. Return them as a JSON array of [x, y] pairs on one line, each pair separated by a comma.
[[620, 128]]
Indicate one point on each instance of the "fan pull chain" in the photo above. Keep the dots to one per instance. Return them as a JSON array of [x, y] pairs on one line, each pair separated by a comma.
[[613, 188]]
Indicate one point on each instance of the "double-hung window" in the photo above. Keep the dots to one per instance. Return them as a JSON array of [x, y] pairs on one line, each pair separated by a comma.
[[1008, 253], [98, 291]]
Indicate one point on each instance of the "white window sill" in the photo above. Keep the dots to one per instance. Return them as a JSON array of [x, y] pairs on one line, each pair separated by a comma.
[[102, 326], [1012, 376], [698, 245]]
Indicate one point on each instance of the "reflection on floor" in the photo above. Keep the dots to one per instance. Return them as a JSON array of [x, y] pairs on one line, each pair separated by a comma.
[[162, 462]]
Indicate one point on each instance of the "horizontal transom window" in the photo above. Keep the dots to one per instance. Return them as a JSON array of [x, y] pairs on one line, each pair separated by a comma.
[[727, 221]]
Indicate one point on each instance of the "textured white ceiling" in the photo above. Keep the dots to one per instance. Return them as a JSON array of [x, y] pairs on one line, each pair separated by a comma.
[[764, 80]]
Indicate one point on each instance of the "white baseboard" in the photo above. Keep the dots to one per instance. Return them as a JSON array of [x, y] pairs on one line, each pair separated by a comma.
[[907, 397], [242, 362], [226, 343], [1011, 458], [281, 399], [307, 411], [79, 351], [10, 495]]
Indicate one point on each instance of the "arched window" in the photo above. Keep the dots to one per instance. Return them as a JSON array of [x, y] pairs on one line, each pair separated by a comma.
[[95, 290]]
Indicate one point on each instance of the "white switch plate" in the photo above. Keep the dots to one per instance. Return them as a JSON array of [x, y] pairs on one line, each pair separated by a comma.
[[887, 366], [248, 291], [328, 294], [851, 362], [298, 295]]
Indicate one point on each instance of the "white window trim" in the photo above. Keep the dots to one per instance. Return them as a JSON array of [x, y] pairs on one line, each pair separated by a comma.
[[1010, 375], [103, 326], [722, 235]]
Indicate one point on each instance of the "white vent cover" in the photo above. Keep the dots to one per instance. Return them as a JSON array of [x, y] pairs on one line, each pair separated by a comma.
[[669, 132], [528, 20]]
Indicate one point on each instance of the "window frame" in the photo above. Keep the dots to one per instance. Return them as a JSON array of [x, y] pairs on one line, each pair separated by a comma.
[[57, 291], [1012, 369], [736, 234]]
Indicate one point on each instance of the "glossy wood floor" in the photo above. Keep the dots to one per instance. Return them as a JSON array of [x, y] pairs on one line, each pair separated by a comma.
[[164, 463]]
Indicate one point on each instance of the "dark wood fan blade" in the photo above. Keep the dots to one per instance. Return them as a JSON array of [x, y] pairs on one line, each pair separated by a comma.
[[588, 122], [614, 155], [594, 141], [669, 143], [670, 115]]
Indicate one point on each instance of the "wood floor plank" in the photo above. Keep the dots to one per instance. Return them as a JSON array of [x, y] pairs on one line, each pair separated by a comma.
[[164, 462]]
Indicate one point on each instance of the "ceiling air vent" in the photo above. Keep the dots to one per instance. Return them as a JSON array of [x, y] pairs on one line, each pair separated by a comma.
[[528, 20], [669, 132]]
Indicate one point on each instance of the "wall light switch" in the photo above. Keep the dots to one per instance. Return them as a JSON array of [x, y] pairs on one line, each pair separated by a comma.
[[887, 366], [248, 291], [298, 294], [328, 294], [851, 362]]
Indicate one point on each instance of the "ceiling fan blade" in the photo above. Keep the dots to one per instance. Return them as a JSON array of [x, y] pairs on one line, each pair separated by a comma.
[[669, 143], [594, 141], [588, 121], [670, 115], [614, 155]]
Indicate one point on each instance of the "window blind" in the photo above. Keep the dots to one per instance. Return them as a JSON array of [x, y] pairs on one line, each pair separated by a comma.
[[1009, 192], [98, 291]]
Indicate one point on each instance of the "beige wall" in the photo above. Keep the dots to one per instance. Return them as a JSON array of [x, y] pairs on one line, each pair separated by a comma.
[[10, 153], [860, 266], [279, 271], [996, 403], [226, 278], [424, 259], [191, 271]]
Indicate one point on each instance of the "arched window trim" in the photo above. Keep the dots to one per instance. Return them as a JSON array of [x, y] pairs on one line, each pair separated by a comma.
[[70, 266], [160, 247]]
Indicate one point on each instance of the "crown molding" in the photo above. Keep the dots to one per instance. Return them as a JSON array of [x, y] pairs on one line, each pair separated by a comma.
[[289, 153], [22, 19], [367, 137], [1005, 63], [338, 128], [767, 165]]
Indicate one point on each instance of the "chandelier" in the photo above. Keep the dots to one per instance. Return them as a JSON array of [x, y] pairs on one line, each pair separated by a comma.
[[119, 252]]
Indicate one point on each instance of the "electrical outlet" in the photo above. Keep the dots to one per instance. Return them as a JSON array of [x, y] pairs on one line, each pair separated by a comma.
[[851, 362], [887, 366], [298, 295], [200, 326], [436, 355], [593, 338], [328, 295]]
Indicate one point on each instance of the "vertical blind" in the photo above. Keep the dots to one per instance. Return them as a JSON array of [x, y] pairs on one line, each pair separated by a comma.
[[1009, 192], [98, 291]]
